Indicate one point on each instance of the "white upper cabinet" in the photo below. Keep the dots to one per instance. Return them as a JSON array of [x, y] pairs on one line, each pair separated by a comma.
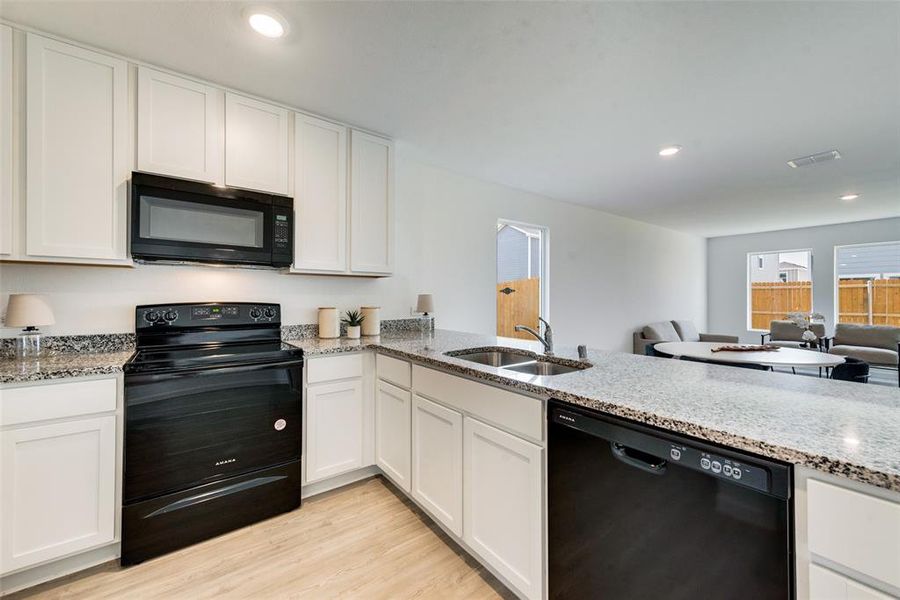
[[320, 195], [256, 145], [6, 173], [77, 152], [180, 127], [371, 204]]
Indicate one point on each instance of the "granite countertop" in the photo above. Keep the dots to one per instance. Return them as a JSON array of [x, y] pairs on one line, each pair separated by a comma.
[[843, 428], [838, 427], [62, 364]]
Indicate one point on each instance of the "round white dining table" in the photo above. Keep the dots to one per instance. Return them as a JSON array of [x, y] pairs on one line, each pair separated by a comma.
[[783, 357]]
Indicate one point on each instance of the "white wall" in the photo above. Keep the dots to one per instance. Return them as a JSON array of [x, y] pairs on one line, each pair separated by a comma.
[[727, 267], [608, 275]]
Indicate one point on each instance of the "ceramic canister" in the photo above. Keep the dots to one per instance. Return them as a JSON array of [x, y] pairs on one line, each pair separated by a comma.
[[329, 324], [371, 325]]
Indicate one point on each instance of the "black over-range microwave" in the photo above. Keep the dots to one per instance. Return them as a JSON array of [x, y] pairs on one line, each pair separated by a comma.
[[175, 220]]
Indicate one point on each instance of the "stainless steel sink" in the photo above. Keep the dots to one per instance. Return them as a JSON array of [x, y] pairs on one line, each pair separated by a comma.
[[519, 361], [544, 368], [493, 358]]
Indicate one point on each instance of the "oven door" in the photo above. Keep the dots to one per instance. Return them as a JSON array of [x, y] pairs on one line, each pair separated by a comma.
[[188, 428], [181, 225]]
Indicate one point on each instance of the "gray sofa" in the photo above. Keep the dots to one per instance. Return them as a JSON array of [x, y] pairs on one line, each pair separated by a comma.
[[675, 331], [878, 345], [787, 334]]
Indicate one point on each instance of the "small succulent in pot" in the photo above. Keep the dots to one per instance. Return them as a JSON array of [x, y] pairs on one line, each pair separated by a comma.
[[353, 320]]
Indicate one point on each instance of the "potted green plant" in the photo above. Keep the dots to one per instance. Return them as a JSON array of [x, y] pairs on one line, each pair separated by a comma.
[[353, 320]]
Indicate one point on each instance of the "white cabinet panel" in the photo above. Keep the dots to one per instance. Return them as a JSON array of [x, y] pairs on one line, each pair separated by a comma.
[[256, 145], [371, 204], [855, 530], [502, 507], [828, 585], [334, 429], [320, 195], [45, 401], [77, 152], [437, 461], [6, 112], [392, 433], [398, 372], [332, 368], [180, 128], [58, 490]]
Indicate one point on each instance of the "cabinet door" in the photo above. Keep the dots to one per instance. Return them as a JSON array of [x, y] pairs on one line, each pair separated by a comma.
[[393, 433], [320, 195], [78, 154], [825, 584], [437, 461], [371, 204], [256, 145], [334, 429], [180, 127], [58, 492], [503, 500], [6, 173]]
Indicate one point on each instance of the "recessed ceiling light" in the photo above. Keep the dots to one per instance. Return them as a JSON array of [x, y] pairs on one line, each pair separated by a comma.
[[266, 22], [849, 197], [669, 150]]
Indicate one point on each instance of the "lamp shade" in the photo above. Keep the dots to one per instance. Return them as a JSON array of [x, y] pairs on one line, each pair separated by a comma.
[[425, 303], [28, 310]]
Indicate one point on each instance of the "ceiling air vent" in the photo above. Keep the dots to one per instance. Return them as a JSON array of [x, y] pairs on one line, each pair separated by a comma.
[[814, 159]]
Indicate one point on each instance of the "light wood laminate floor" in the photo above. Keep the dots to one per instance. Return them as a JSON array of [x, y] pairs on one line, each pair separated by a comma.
[[362, 541]]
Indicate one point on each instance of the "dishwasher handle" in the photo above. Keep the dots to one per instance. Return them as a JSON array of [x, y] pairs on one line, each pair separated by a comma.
[[638, 459]]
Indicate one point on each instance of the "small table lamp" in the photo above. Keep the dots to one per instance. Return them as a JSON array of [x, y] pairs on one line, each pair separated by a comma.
[[29, 311], [425, 304]]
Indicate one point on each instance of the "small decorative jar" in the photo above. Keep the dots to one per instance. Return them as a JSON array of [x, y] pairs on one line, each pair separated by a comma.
[[329, 323], [371, 324]]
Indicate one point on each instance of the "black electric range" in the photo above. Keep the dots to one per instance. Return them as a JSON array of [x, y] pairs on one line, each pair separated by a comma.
[[212, 424]]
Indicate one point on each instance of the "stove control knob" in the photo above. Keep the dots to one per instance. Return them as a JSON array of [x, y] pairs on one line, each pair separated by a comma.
[[170, 315], [254, 313], [151, 317], [270, 312]]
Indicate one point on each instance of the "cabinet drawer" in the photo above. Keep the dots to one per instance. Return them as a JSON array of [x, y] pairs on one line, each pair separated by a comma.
[[331, 368], [57, 400], [394, 370], [514, 412], [855, 530]]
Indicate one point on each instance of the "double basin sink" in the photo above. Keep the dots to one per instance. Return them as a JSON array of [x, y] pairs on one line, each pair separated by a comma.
[[520, 361]]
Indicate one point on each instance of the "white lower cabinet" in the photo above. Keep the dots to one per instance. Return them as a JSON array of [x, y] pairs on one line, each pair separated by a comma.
[[437, 461], [503, 502], [334, 428], [392, 433], [58, 495], [825, 584]]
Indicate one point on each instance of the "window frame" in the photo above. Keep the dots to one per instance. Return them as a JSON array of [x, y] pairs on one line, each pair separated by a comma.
[[836, 278], [748, 308]]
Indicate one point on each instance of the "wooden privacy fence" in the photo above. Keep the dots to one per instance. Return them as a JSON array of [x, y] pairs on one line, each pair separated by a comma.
[[520, 307], [869, 301], [773, 300]]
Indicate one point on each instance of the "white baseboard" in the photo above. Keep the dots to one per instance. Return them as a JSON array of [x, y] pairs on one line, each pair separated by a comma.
[[333, 483], [20, 580]]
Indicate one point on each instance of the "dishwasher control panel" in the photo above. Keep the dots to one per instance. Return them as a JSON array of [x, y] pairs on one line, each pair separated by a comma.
[[720, 466]]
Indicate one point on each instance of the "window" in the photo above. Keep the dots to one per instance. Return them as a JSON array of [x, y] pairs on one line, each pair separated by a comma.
[[521, 277], [867, 286], [780, 284]]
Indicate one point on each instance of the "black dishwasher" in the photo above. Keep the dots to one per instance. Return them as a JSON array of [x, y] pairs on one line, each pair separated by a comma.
[[635, 512]]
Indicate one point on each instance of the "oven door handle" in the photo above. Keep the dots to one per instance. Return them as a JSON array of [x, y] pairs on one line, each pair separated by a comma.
[[176, 373]]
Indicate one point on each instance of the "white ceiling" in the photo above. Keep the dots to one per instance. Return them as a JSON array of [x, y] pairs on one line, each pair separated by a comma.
[[572, 100]]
